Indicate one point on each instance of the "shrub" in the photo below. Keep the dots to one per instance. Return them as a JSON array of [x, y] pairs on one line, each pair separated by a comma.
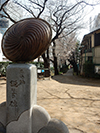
[[97, 76], [38, 64], [89, 69], [64, 69], [3, 66]]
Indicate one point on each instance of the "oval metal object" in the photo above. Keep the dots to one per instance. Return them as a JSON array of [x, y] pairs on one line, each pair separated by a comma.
[[26, 40]]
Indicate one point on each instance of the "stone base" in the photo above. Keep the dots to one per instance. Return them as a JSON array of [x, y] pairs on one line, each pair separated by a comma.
[[41, 122], [21, 94], [3, 117], [21, 114]]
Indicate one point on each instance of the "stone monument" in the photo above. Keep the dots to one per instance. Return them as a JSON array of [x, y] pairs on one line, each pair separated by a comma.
[[23, 42]]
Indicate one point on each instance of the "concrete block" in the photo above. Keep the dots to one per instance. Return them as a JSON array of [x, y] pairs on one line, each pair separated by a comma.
[[21, 92]]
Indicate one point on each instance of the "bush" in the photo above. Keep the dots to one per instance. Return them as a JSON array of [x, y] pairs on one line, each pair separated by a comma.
[[89, 69], [97, 76], [64, 69], [3, 66], [38, 64]]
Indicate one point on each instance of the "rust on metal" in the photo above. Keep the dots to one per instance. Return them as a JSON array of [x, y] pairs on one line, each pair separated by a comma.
[[26, 40]]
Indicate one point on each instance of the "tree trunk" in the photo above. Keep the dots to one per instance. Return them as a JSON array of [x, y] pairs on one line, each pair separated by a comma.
[[74, 64], [55, 59], [56, 65], [46, 64]]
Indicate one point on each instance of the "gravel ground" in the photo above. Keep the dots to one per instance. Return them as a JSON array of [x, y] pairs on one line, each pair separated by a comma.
[[72, 99]]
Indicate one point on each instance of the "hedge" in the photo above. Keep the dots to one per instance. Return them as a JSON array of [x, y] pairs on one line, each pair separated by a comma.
[[89, 69], [3, 66]]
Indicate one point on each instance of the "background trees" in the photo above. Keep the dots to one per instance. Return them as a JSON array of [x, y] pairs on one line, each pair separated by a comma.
[[10, 11], [65, 17]]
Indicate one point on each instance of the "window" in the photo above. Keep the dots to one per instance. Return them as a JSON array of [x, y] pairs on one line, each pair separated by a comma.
[[97, 39], [90, 59]]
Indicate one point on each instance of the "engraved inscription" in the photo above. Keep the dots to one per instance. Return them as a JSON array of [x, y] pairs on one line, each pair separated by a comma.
[[14, 93], [13, 103], [14, 84]]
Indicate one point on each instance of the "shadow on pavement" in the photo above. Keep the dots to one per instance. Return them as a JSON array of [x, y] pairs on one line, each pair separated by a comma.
[[2, 80], [69, 78]]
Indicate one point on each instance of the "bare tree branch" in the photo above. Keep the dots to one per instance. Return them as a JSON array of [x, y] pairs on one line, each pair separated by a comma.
[[36, 3], [8, 16], [44, 4], [24, 7], [69, 32], [73, 8], [4, 4], [3, 16]]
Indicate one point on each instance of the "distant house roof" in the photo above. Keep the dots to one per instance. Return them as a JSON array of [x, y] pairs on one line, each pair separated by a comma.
[[86, 37]]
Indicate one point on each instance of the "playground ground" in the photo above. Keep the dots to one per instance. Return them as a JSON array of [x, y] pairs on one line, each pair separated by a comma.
[[71, 99]]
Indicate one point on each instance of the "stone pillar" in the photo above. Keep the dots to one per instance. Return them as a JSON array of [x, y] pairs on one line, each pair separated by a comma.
[[21, 95]]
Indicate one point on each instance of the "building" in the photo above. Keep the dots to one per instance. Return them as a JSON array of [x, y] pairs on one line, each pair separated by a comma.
[[90, 50]]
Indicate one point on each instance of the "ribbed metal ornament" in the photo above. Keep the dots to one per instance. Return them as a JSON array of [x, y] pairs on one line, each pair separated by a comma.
[[26, 40]]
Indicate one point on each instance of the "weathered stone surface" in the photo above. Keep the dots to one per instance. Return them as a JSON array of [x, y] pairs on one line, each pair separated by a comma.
[[59, 125], [49, 129], [3, 113], [21, 125], [2, 128], [40, 118], [21, 92]]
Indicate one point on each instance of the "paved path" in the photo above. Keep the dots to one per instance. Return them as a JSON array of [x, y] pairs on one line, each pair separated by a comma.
[[74, 100]]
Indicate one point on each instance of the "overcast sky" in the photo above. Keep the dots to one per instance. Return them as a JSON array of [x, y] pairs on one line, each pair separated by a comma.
[[92, 14]]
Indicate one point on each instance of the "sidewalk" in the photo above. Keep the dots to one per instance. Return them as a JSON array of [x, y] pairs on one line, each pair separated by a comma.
[[74, 100]]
